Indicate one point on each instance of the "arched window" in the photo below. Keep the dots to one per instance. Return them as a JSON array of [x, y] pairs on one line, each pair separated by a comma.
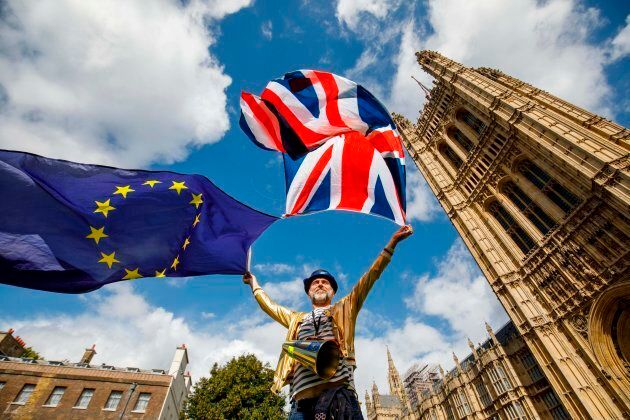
[[451, 155], [461, 139], [562, 197], [471, 121], [530, 209], [511, 227]]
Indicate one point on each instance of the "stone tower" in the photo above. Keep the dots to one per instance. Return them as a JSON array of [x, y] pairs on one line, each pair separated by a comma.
[[395, 384], [539, 190]]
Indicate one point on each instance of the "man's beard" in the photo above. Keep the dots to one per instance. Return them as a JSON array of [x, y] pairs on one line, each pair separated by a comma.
[[320, 297]]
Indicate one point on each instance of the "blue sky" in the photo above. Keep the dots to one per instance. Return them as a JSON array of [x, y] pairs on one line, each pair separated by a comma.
[[155, 85]]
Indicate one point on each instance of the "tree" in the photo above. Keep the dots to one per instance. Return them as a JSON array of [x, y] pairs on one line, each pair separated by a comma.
[[238, 390], [30, 353]]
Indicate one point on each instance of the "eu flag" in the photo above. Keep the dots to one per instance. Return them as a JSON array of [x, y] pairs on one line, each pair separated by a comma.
[[71, 228]]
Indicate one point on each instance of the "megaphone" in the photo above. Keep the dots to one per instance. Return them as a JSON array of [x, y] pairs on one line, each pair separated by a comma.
[[321, 356]]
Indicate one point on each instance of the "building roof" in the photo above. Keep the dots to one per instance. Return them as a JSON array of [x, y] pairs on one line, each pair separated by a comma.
[[389, 401], [42, 362]]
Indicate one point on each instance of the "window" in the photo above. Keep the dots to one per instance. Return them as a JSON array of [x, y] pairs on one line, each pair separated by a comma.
[[499, 379], [471, 121], [483, 394], [511, 227], [562, 197], [451, 155], [84, 398], [530, 209], [555, 408], [531, 366], [55, 396], [461, 139], [143, 401], [515, 411], [461, 403], [113, 400], [449, 411], [25, 394]]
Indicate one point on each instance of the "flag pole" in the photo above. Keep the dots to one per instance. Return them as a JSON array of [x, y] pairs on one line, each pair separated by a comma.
[[248, 262]]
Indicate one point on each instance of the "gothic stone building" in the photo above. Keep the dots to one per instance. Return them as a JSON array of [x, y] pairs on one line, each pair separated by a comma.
[[392, 406], [539, 190], [46, 389]]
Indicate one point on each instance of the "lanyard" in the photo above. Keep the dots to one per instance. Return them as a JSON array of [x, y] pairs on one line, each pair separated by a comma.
[[317, 324]]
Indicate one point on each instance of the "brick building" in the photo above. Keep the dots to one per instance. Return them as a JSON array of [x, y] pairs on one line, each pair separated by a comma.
[[49, 389]]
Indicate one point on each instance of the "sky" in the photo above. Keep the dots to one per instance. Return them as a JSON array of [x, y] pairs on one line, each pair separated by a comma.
[[154, 84]]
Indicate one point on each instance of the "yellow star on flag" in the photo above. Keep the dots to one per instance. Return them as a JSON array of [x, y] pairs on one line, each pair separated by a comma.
[[175, 263], [186, 243], [123, 190], [104, 207], [109, 259], [132, 274], [196, 200], [151, 182], [160, 273], [197, 217], [178, 186], [97, 234]]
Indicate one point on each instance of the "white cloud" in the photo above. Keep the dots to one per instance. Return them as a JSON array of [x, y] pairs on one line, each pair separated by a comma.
[[406, 97], [458, 293], [543, 43], [274, 268], [289, 293], [208, 315], [547, 44], [115, 82], [267, 30], [350, 11], [421, 202], [129, 331], [621, 43]]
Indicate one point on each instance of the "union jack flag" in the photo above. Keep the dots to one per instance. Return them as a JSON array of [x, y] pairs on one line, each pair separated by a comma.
[[341, 148]]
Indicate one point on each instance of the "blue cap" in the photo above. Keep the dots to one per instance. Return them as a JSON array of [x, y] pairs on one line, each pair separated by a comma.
[[320, 274]]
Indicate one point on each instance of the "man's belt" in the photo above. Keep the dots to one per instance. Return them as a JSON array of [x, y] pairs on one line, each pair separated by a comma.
[[306, 404]]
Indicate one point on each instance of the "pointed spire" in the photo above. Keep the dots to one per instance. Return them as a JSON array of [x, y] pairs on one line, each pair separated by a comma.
[[376, 398], [472, 349], [390, 361], [491, 333]]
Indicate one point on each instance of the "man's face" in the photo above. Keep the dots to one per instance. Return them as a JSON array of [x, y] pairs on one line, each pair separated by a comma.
[[321, 292]]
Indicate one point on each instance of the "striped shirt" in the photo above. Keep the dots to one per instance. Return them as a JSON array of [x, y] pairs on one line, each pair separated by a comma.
[[302, 377]]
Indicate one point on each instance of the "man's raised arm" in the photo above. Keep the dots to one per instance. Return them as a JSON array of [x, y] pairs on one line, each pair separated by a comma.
[[278, 312], [365, 283]]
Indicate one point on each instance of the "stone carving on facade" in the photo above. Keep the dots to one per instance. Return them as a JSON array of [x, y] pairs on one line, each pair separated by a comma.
[[568, 265]]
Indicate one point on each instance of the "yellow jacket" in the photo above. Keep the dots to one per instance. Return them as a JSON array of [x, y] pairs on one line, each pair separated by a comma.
[[344, 314]]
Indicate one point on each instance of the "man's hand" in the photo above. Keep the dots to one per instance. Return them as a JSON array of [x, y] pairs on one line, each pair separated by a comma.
[[403, 233], [249, 278]]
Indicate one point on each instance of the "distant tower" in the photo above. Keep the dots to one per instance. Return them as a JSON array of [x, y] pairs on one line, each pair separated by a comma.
[[395, 384], [539, 190]]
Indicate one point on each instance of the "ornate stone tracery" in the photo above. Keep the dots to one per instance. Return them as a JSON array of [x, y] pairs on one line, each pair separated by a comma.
[[575, 276]]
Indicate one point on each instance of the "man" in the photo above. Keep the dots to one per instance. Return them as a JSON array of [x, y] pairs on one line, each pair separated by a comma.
[[324, 322]]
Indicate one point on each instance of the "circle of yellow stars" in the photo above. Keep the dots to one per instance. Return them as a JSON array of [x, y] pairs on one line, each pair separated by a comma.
[[105, 207]]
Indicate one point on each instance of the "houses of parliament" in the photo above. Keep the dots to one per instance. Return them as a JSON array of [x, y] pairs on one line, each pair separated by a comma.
[[539, 191]]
